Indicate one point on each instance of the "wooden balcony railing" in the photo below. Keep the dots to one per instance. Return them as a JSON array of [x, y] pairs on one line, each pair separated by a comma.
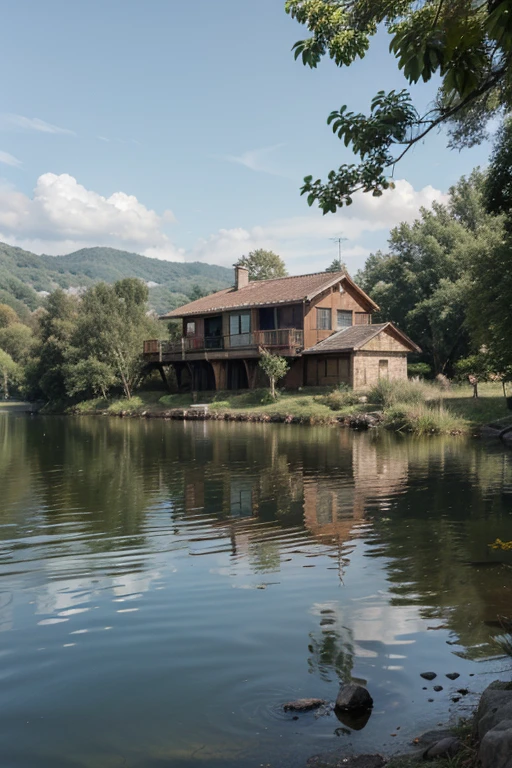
[[284, 338]]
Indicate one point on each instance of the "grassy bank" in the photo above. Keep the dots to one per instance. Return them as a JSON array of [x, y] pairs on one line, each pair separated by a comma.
[[412, 406]]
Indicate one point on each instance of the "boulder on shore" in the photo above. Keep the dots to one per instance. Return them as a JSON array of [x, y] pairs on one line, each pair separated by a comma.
[[353, 697]]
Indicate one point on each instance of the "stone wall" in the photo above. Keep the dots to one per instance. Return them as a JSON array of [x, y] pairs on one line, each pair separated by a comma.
[[369, 367]]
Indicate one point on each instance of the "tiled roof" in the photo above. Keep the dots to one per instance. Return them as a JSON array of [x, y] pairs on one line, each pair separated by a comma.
[[356, 337], [258, 293]]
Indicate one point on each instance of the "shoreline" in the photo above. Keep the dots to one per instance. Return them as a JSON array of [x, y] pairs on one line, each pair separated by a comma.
[[414, 407], [483, 739]]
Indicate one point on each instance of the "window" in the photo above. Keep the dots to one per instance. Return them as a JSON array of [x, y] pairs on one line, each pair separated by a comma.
[[344, 318], [240, 329], [323, 319], [240, 323], [191, 328], [383, 369]]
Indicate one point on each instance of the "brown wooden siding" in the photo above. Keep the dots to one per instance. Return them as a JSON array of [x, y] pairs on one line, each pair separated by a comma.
[[333, 300]]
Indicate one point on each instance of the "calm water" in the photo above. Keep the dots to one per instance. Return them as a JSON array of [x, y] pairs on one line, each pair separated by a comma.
[[165, 587]]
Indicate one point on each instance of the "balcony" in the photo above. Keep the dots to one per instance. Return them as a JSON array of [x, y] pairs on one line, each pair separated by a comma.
[[287, 341]]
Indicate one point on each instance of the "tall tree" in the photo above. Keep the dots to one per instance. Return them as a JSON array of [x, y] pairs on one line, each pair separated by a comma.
[[466, 45], [7, 316], [423, 283], [10, 372], [111, 326], [17, 340], [263, 265], [56, 326]]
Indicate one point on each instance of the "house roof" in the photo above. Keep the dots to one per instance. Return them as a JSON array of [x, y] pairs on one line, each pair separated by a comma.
[[356, 336], [282, 290]]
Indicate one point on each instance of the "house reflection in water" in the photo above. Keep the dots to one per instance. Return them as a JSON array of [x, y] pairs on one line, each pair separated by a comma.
[[294, 488]]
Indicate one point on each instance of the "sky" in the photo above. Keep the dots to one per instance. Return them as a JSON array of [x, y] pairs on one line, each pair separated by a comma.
[[182, 130]]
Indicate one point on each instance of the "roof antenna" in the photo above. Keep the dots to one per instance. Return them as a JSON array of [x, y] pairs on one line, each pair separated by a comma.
[[340, 239]]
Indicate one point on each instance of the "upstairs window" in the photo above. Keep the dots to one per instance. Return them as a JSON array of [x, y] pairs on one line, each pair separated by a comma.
[[344, 318], [191, 328], [240, 323], [323, 319]]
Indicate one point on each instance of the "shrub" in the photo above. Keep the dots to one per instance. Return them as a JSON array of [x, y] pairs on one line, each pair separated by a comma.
[[388, 393], [275, 367], [339, 398], [423, 419]]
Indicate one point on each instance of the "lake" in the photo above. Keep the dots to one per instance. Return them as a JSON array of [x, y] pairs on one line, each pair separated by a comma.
[[166, 586]]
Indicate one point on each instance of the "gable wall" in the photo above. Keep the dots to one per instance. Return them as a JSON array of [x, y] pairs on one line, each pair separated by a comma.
[[384, 342], [333, 300]]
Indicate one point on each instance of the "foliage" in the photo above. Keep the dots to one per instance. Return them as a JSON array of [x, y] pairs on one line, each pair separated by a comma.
[[262, 265], [46, 375], [337, 265], [7, 316], [10, 373], [465, 45], [111, 327], [197, 292], [18, 340], [423, 370], [423, 283], [498, 184], [89, 378], [475, 368], [24, 275], [275, 368], [339, 398]]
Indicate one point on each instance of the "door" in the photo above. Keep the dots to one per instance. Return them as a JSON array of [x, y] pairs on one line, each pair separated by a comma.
[[213, 338]]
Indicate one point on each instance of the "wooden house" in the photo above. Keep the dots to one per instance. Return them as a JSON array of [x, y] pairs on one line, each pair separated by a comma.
[[322, 324]]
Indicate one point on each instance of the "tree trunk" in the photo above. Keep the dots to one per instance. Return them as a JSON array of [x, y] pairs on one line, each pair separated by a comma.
[[272, 387], [475, 389], [6, 388]]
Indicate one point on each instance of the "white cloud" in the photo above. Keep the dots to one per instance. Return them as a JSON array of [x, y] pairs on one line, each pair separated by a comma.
[[7, 159], [20, 122], [303, 241], [63, 215], [256, 159]]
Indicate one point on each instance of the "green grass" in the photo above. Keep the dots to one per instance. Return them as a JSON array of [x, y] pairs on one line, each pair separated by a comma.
[[488, 407], [424, 419]]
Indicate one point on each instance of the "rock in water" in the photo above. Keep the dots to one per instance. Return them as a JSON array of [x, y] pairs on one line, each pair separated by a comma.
[[303, 705], [428, 675], [452, 675], [353, 697]]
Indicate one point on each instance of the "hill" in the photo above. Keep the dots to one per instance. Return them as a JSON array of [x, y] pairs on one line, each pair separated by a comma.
[[25, 277]]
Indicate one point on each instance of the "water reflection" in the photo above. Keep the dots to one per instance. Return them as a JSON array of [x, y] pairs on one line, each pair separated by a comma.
[[262, 560]]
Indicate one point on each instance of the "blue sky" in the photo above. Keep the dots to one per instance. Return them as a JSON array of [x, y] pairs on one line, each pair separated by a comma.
[[182, 130]]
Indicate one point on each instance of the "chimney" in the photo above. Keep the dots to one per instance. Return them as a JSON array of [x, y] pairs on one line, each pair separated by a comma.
[[241, 277]]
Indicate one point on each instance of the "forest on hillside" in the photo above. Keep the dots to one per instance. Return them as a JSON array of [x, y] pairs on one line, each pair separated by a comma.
[[26, 278]]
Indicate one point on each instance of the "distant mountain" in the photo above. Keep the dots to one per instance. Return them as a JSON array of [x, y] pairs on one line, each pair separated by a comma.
[[25, 278]]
